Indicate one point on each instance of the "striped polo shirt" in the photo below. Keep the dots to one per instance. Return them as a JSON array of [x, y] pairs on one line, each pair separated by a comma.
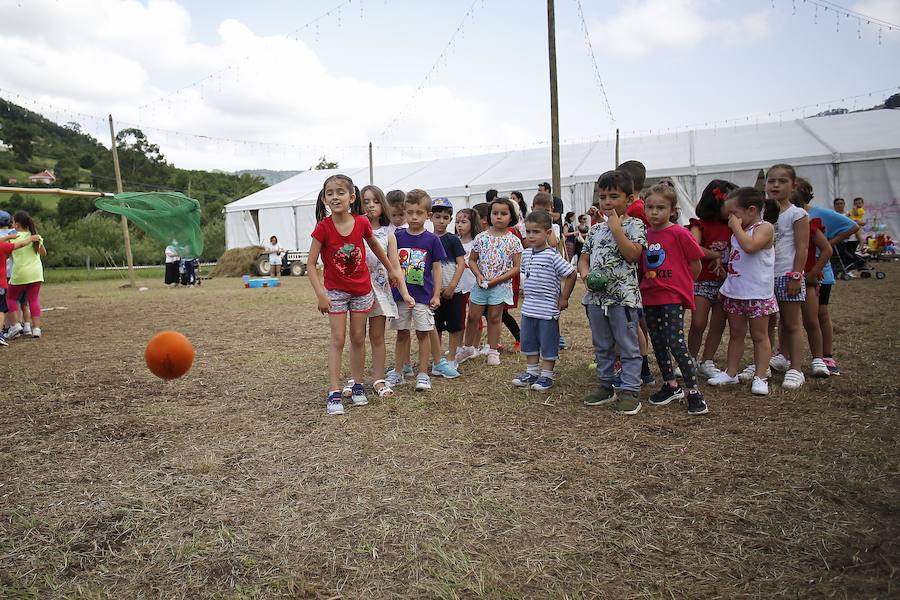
[[541, 272]]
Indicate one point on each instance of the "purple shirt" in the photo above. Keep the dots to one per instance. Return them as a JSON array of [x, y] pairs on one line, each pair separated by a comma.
[[417, 255]]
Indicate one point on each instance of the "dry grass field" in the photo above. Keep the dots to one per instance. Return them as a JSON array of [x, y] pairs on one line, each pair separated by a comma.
[[232, 483]]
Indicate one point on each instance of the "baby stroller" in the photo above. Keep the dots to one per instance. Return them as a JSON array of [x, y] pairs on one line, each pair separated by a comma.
[[188, 271], [845, 260]]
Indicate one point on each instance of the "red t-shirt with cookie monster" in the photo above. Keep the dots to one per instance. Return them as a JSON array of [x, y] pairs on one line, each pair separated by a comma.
[[667, 271], [344, 256]]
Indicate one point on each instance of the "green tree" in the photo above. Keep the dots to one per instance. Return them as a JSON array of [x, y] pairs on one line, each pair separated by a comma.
[[324, 163], [73, 209], [21, 138], [87, 161], [66, 172]]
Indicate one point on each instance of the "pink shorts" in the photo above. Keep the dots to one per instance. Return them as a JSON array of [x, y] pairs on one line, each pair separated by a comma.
[[751, 309]]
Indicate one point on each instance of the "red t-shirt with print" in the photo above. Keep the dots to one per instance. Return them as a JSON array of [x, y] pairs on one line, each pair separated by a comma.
[[344, 256], [667, 274]]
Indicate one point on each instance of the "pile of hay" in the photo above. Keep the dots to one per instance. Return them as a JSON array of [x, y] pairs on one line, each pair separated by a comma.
[[237, 262]]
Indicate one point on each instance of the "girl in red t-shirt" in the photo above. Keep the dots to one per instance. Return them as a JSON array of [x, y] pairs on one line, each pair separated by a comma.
[[338, 240], [711, 231], [671, 262]]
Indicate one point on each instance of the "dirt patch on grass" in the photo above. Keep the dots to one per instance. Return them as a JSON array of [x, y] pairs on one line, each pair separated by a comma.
[[232, 483]]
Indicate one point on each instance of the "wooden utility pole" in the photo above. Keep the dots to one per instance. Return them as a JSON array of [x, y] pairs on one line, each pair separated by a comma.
[[554, 99], [617, 149], [119, 190], [371, 167]]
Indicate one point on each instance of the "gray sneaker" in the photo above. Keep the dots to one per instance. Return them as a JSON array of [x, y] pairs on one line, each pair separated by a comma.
[[603, 395], [334, 406]]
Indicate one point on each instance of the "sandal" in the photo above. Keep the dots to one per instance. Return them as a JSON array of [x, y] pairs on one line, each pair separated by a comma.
[[384, 391], [347, 391]]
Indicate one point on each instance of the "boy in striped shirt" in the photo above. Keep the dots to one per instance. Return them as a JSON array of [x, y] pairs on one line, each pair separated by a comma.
[[542, 268]]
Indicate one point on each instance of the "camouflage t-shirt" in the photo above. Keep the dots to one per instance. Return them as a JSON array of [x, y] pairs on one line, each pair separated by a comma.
[[622, 287]]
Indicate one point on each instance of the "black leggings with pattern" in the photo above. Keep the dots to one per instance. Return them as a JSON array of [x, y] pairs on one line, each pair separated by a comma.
[[665, 323]]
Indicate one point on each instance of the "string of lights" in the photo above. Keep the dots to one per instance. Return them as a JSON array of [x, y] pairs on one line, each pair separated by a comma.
[[847, 14], [101, 124], [442, 57], [597, 77]]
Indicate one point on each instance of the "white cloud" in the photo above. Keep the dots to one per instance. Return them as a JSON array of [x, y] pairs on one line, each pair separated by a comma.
[[886, 10], [124, 57], [647, 25]]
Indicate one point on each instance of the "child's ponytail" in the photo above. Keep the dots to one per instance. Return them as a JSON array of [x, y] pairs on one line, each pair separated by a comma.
[[25, 220], [770, 212]]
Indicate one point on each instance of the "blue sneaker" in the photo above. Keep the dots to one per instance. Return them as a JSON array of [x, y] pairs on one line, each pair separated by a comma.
[[358, 395], [525, 380], [3, 341], [444, 369], [393, 378], [407, 370], [542, 384], [334, 405]]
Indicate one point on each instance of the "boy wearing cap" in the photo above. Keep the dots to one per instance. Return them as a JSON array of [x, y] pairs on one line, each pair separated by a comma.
[[449, 315]]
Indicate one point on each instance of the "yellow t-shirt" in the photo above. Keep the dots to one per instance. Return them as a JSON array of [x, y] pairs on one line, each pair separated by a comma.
[[27, 267], [857, 214]]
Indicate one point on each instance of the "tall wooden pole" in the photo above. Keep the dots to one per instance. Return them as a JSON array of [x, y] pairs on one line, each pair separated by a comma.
[[119, 190], [371, 167], [617, 149], [554, 98]]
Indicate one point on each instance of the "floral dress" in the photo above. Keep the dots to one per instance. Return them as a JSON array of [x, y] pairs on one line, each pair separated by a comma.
[[381, 286]]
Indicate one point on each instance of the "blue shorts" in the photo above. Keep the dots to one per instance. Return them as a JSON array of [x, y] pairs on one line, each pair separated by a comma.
[[499, 294], [540, 336]]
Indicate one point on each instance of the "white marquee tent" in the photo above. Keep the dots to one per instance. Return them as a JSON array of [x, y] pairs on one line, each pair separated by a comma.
[[848, 155]]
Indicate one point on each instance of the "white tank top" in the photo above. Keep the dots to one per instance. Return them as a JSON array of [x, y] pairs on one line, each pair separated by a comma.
[[750, 276]]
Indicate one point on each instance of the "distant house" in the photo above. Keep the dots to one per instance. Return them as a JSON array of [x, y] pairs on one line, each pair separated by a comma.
[[46, 177], [12, 181]]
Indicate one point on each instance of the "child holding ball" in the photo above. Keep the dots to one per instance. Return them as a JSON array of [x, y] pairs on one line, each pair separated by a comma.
[[338, 239]]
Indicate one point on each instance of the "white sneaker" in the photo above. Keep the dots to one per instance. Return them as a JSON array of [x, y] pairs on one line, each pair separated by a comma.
[[793, 380], [780, 363], [819, 368], [423, 383], [759, 387], [493, 358], [707, 369], [750, 372], [723, 378], [36, 333], [485, 350], [14, 331], [26, 329]]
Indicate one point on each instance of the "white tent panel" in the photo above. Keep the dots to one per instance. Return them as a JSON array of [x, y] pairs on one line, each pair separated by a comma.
[[760, 145], [821, 177], [878, 182], [240, 230], [860, 135], [305, 219], [278, 222]]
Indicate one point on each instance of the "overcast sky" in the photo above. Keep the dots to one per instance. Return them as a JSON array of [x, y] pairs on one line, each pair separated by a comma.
[[353, 77]]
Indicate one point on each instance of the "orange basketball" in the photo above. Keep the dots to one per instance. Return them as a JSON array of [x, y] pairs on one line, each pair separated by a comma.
[[169, 355]]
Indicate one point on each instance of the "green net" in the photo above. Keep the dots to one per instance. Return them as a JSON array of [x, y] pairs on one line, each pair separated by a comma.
[[170, 217]]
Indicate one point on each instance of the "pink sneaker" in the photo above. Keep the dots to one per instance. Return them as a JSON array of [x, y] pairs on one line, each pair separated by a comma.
[[493, 358], [464, 353]]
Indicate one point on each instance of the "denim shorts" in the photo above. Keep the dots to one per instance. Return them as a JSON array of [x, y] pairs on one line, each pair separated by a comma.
[[540, 336], [499, 294]]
